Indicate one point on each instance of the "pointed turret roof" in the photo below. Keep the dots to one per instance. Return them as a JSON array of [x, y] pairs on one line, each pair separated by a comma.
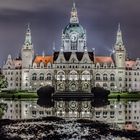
[[119, 40], [28, 37]]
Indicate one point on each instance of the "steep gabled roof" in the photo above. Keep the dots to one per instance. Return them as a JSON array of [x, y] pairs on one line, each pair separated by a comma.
[[79, 55], [67, 55]]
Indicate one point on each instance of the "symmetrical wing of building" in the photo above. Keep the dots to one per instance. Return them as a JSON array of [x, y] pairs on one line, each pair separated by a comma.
[[73, 67]]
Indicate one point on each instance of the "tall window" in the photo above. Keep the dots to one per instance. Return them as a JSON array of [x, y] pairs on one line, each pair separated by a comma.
[[105, 85], [112, 77], [49, 77], [105, 77], [61, 76], [120, 79], [112, 85], [34, 76], [98, 77], [41, 76]]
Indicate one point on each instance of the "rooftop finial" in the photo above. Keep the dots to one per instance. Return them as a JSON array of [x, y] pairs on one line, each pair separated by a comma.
[[54, 46], [74, 16], [73, 4], [119, 27], [28, 25]]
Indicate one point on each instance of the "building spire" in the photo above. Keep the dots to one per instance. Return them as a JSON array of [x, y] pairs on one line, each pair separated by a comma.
[[28, 38], [74, 15], [119, 40]]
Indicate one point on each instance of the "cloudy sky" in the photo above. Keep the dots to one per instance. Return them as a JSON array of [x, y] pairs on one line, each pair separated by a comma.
[[48, 17]]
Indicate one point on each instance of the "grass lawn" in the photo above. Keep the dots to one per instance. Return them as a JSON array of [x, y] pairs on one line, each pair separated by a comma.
[[124, 95], [19, 95], [34, 95]]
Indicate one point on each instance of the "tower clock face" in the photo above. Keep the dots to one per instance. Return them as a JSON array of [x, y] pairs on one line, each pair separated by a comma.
[[73, 37]]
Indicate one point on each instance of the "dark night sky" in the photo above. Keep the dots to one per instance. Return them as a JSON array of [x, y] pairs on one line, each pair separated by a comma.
[[48, 17]]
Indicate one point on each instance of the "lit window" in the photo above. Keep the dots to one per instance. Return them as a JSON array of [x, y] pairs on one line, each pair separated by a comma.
[[98, 77], [41, 76], [34, 76], [105, 77], [112, 77], [49, 77]]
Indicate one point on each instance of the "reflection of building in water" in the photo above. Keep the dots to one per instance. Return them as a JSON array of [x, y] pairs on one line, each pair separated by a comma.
[[74, 67], [26, 110], [115, 113]]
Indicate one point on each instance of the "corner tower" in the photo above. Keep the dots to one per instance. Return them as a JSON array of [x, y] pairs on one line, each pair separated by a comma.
[[27, 53], [119, 50], [73, 35], [27, 50]]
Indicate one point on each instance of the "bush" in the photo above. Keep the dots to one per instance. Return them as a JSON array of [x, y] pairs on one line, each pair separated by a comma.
[[46, 91], [100, 92], [10, 91]]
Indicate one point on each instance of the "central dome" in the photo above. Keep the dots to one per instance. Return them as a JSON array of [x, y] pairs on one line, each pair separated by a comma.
[[74, 27]]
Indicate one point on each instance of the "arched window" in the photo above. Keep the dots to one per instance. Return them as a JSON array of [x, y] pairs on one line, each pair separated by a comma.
[[73, 60], [86, 75], [105, 85], [34, 76], [105, 77], [98, 77], [49, 76], [41, 76], [97, 85], [73, 75], [61, 76], [120, 78], [112, 77], [112, 85]]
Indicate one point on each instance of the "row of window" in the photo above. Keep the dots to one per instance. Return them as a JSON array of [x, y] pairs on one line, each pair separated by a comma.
[[41, 76], [105, 85], [11, 73], [12, 84], [11, 79], [130, 73], [105, 77], [74, 66]]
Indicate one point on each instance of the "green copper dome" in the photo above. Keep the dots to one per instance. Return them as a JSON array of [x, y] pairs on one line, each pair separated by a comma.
[[74, 27]]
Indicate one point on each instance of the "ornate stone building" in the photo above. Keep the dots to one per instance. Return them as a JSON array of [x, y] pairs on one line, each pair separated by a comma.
[[73, 67]]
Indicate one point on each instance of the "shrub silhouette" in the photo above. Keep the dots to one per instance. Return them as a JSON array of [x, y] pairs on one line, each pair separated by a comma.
[[46, 91], [100, 92]]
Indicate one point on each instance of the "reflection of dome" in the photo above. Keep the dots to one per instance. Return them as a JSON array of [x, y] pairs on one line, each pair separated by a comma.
[[74, 27]]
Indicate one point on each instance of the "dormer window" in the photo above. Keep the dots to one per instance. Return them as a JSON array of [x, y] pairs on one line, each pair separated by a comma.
[[85, 60], [73, 60]]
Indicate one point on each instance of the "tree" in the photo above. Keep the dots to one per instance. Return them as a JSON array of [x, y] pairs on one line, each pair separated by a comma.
[[3, 107], [3, 81]]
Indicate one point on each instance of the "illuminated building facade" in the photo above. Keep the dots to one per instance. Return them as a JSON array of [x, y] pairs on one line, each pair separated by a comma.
[[73, 67]]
